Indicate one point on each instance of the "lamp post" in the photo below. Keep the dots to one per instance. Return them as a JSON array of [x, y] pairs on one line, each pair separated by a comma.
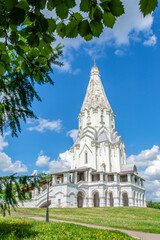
[[47, 210]]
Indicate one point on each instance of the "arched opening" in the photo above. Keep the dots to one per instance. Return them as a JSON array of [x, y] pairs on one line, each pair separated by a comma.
[[96, 199], [44, 204], [125, 199], [80, 198], [143, 201], [106, 198], [134, 198], [137, 199], [111, 203]]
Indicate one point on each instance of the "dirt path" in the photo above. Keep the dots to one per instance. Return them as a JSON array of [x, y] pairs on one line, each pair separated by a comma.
[[135, 234]]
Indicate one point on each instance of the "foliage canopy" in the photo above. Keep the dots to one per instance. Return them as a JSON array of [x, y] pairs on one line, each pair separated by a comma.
[[28, 51]]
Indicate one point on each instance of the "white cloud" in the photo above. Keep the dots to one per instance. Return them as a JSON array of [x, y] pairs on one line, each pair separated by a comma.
[[3, 143], [34, 173], [63, 163], [73, 134], [44, 124], [148, 162], [119, 52], [131, 26], [42, 160], [151, 41], [145, 157], [6, 164]]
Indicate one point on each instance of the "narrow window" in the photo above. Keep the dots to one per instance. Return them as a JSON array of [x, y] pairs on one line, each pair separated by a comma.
[[86, 157]]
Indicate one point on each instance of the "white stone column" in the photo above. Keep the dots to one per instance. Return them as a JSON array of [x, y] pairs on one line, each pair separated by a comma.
[[102, 201], [75, 177], [129, 178], [101, 177], [133, 179], [90, 202], [106, 178], [120, 200], [54, 180], [85, 176], [115, 177], [108, 202], [116, 197], [89, 175], [66, 178]]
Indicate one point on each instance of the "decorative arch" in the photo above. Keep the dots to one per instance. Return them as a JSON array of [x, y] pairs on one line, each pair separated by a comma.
[[125, 200], [80, 199], [96, 199], [103, 167]]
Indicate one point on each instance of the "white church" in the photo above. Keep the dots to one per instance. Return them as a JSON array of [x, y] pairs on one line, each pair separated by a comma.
[[99, 175]]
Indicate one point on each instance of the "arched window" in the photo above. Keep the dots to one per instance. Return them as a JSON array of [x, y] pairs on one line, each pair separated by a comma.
[[86, 157]]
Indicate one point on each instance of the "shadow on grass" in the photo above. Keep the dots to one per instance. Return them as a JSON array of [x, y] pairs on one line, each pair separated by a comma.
[[16, 230]]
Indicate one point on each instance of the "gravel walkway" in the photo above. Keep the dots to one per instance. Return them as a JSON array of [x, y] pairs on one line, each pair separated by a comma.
[[135, 234]]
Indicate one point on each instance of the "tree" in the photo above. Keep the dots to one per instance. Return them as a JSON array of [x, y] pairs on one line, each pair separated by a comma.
[[17, 188], [27, 57], [27, 54]]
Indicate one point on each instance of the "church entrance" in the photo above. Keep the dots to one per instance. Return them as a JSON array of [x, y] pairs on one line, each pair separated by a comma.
[[125, 199], [80, 200], [96, 199]]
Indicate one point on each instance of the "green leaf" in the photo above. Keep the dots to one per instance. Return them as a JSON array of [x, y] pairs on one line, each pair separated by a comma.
[[116, 7], [9, 4], [2, 46], [98, 15], [17, 16], [61, 30], [85, 5], [109, 19], [52, 25], [104, 4], [2, 70], [148, 6], [70, 3], [47, 38], [96, 28], [23, 5], [42, 4], [43, 23], [84, 28], [76, 17], [88, 37], [62, 10], [51, 5], [72, 29], [33, 40]]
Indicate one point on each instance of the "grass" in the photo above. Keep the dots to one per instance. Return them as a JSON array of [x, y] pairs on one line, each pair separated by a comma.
[[16, 228], [134, 218]]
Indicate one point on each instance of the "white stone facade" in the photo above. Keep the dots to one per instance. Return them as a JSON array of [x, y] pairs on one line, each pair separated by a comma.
[[99, 174]]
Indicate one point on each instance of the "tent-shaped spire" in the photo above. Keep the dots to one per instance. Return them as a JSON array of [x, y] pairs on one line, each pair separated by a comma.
[[95, 95]]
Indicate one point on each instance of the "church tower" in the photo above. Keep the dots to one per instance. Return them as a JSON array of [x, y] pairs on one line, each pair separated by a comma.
[[98, 144], [99, 175]]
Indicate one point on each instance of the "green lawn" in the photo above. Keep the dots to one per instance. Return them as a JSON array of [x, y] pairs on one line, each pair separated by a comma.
[[16, 228], [140, 219]]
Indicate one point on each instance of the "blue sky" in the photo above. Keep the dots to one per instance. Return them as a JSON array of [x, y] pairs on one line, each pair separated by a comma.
[[128, 58]]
